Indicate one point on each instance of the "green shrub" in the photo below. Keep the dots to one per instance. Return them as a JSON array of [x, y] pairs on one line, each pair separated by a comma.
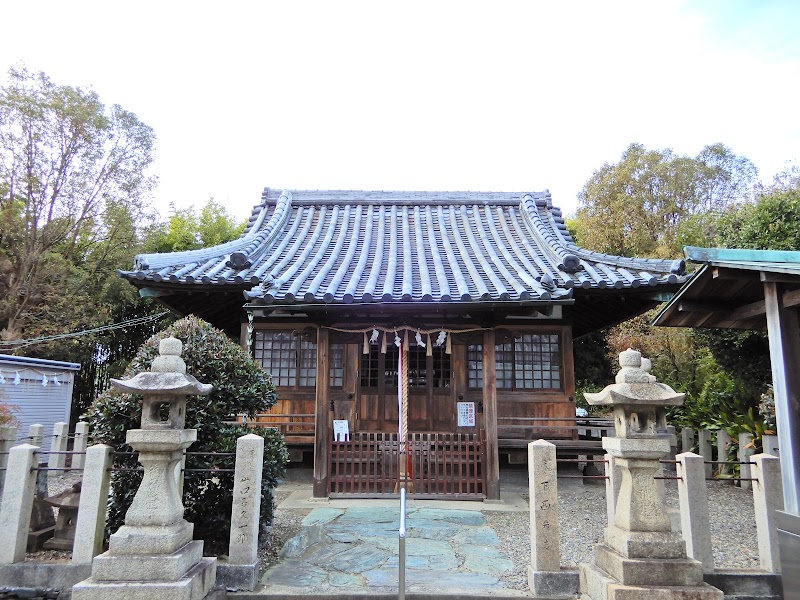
[[724, 402], [240, 386]]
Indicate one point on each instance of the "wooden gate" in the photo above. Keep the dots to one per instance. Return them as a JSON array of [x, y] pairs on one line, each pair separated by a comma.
[[445, 466]]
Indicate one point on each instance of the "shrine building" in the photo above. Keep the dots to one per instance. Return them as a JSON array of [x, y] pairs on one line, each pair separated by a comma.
[[482, 293]]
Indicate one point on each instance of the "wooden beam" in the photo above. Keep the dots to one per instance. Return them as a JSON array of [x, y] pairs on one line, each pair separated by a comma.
[[243, 339], [724, 312], [731, 273], [567, 347], [322, 424], [778, 277], [791, 298], [691, 306], [745, 312], [490, 416], [784, 349]]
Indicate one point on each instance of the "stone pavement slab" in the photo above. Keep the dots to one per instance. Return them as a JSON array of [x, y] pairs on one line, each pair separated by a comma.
[[354, 550]]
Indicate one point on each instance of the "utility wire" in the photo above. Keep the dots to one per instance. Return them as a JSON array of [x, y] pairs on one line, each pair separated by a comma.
[[63, 336]]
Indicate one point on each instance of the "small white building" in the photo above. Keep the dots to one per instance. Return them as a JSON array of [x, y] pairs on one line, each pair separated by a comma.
[[40, 390]]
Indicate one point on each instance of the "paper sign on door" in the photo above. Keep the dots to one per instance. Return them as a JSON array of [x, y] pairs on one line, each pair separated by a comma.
[[466, 414], [341, 431]]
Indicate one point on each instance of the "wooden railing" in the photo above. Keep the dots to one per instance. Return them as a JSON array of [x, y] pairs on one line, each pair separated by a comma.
[[295, 427], [441, 466], [569, 433]]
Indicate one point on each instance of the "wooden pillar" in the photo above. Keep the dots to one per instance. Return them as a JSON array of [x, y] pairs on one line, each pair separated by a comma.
[[322, 422], [784, 350], [490, 416], [567, 352], [243, 338]]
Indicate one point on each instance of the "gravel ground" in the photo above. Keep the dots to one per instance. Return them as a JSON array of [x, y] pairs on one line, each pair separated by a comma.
[[582, 518], [285, 524]]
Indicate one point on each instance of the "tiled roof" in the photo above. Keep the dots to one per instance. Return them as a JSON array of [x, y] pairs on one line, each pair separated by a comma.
[[366, 247]]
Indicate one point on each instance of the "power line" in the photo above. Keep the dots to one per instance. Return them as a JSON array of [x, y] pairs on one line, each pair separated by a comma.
[[13, 344]]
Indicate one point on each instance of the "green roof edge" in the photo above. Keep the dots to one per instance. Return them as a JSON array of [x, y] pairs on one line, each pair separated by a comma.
[[696, 254]]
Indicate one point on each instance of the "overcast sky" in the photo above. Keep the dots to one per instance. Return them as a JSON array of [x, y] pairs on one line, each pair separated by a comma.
[[509, 96]]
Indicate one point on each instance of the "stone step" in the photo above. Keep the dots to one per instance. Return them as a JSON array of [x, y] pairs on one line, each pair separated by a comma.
[[596, 584], [266, 594], [195, 585], [746, 585], [155, 567], [648, 572], [553, 584]]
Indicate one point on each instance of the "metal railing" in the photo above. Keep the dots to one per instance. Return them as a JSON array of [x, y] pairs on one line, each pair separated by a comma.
[[401, 562]]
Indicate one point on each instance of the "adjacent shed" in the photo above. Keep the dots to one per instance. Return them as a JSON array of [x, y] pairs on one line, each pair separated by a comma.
[[40, 390], [757, 290]]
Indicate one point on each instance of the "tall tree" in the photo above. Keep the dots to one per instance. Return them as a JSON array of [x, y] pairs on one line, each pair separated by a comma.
[[651, 203], [186, 230], [771, 223], [636, 206], [73, 182]]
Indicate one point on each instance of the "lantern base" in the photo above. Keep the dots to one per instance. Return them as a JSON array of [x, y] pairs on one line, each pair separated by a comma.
[[154, 539], [194, 585]]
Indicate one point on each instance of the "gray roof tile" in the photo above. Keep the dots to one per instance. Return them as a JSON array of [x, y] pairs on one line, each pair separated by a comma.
[[324, 246]]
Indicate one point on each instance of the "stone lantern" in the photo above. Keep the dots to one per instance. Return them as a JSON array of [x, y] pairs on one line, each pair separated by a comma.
[[67, 503], [153, 555], [641, 556]]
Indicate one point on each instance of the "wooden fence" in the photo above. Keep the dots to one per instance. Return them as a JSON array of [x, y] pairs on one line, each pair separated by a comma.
[[441, 466]]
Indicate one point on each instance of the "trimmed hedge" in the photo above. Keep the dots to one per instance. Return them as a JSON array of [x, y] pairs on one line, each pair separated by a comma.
[[240, 386]]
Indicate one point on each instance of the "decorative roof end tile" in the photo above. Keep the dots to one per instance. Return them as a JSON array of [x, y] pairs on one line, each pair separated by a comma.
[[238, 261], [570, 263]]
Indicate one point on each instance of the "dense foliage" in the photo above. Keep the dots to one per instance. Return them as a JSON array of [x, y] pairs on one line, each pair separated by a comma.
[[593, 367], [75, 192], [73, 181], [187, 230], [74, 201], [771, 223], [651, 203], [637, 207], [240, 386]]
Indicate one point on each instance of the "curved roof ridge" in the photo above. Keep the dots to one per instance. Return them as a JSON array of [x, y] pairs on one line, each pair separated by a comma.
[[553, 244], [253, 238], [395, 197], [665, 265], [557, 226], [262, 237]]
